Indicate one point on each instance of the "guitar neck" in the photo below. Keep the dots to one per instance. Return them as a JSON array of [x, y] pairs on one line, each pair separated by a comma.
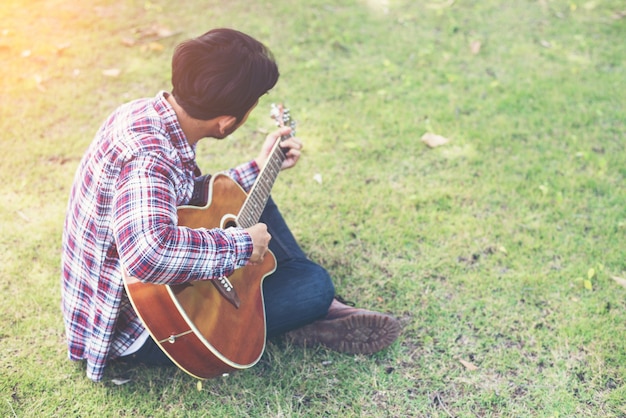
[[258, 196]]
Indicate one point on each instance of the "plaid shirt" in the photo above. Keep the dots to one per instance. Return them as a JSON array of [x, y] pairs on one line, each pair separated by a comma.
[[122, 211]]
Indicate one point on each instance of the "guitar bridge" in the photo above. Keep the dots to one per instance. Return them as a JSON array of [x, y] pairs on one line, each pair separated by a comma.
[[226, 289]]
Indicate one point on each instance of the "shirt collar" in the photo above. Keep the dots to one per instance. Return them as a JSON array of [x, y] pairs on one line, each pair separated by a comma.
[[174, 130]]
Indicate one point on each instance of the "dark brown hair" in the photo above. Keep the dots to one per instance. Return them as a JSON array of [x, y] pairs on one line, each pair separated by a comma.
[[221, 73]]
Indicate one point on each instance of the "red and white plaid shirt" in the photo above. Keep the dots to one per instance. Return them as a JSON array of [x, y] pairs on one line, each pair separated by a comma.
[[122, 211]]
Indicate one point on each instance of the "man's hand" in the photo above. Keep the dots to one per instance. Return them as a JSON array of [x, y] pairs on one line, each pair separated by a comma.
[[260, 241], [292, 146]]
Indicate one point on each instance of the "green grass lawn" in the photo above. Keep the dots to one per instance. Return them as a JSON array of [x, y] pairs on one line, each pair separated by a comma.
[[498, 250]]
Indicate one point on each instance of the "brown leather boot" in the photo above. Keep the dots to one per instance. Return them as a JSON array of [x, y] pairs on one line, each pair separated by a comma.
[[349, 330]]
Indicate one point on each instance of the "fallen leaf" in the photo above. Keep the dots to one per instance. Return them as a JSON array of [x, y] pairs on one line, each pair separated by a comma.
[[619, 15], [318, 178], [155, 47], [199, 385], [164, 32], [39, 82], [469, 366], [23, 215], [590, 5], [587, 284], [128, 41], [439, 6], [433, 140], [120, 381], [619, 281], [112, 72], [60, 48], [155, 32], [475, 47]]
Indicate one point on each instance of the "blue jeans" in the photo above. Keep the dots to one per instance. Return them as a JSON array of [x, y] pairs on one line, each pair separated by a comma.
[[297, 293]]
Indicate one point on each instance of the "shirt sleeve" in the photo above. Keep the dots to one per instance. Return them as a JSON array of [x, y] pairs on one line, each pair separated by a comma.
[[245, 174], [150, 244]]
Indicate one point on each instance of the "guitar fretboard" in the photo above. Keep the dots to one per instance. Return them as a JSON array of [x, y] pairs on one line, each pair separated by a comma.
[[259, 194]]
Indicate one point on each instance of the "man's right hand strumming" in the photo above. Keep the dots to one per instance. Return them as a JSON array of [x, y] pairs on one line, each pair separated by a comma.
[[260, 241]]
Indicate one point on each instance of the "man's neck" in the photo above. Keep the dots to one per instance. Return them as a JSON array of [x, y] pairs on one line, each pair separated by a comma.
[[193, 129]]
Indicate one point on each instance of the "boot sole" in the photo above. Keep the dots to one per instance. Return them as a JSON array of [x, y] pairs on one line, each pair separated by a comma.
[[358, 333]]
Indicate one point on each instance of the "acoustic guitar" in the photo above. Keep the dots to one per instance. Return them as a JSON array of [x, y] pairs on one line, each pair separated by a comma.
[[211, 327]]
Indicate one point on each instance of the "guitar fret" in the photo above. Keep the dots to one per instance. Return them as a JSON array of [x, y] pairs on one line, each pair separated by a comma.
[[258, 196]]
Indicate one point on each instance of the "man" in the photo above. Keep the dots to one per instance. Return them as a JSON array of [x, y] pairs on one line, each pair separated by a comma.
[[122, 214]]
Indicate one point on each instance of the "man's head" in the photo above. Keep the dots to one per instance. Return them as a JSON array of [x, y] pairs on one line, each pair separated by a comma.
[[221, 73]]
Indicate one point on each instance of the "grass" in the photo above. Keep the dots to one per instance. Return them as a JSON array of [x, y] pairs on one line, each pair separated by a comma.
[[497, 249]]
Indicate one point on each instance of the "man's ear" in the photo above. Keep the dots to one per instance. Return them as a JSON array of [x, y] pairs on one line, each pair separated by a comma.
[[226, 123]]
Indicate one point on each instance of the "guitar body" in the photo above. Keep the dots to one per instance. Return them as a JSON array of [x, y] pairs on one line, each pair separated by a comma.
[[202, 330]]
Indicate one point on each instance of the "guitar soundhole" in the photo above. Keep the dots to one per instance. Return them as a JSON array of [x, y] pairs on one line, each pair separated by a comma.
[[230, 224]]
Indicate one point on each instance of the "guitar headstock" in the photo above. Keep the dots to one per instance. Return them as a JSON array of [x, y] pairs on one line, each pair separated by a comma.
[[282, 117]]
